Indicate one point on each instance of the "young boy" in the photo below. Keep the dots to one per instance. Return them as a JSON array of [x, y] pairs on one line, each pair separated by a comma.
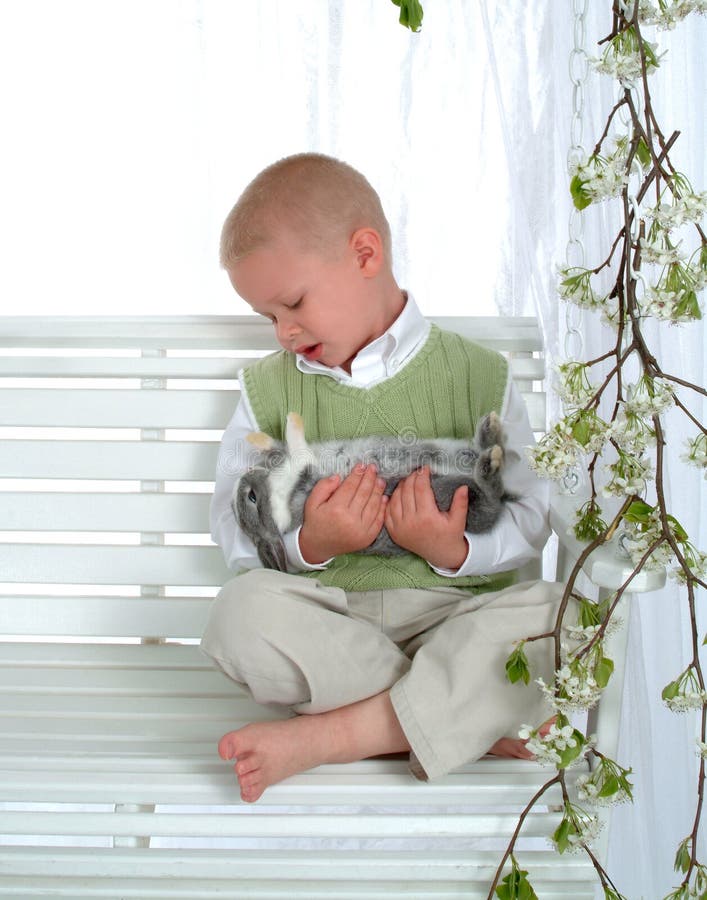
[[374, 655]]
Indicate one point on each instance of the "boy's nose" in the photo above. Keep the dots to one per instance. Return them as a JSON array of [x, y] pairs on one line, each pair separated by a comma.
[[286, 332]]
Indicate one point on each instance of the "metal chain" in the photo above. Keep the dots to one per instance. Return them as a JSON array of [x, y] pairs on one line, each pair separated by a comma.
[[574, 254]]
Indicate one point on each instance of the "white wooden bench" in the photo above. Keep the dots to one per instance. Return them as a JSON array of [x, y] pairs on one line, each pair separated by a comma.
[[110, 785]]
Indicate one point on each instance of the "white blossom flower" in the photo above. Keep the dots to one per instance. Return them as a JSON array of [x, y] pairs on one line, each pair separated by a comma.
[[648, 397], [589, 788], [686, 701], [547, 748], [660, 254], [701, 749], [575, 287], [697, 452], [631, 432], [624, 67], [603, 177], [671, 305], [623, 56], [583, 634], [578, 828], [574, 386], [573, 690], [554, 452], [629, 476], [668, 13], [636, 541], [689, 207], [685, 693], [697, 564]]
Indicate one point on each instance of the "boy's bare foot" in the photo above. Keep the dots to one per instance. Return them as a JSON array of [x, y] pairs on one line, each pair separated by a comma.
[[268, 752], [514, 748]]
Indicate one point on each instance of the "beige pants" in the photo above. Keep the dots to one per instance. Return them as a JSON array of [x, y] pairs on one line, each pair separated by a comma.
[[441, 653]]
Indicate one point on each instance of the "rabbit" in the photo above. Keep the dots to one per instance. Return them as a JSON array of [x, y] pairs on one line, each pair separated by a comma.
[[268, 499]]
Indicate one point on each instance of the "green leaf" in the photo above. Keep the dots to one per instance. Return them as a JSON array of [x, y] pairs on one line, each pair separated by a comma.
[[610, 787], [638, 511], [571, 753], [411, 13], [561, 835], [643, 153], [671, 690], [678, 530], [581, 431], [517, 667], [515, 886], [682, 857], [580, 197], [603, 671]]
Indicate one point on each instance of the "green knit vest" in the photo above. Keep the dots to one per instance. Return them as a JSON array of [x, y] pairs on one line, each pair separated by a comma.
[[442, 392]]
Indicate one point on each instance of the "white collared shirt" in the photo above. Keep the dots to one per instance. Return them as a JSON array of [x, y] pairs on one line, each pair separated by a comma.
[[383, 357], [518, 536]]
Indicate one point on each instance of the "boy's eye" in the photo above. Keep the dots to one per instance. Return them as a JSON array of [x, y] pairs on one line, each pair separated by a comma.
[[296, 304]]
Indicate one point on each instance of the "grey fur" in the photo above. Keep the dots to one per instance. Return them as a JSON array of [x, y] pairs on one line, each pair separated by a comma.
[[286, 472]]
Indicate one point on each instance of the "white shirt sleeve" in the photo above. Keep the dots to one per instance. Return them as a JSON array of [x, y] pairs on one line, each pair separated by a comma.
[[524, 527], [234, 457]]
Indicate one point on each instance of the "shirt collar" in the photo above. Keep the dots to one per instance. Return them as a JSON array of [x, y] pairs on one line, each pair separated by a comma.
[[384, 356]]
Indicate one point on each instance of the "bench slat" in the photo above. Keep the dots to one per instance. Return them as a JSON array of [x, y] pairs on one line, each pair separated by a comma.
[[462, 872], [114, 460], [133, 617], [101, 565], [225, 332], [164, 683], [115, 656], [191, 368], [271, 825], [212, 783], [62, 511], [80, 408], [198, 889], [172, 367]]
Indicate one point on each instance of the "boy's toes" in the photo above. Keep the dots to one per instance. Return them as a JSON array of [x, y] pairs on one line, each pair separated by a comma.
[[251, 787], [227, 747], [245, 766]]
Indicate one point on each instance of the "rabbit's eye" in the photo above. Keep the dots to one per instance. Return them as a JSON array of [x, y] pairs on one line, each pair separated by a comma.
[[251, 496]]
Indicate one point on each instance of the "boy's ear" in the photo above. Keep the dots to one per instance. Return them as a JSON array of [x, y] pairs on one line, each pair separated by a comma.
[[367, 247]]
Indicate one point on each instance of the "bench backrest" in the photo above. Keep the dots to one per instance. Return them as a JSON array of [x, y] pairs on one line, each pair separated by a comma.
[[109, 433]]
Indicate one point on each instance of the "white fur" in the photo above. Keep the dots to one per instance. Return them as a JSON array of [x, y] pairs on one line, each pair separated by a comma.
[[284, 478]]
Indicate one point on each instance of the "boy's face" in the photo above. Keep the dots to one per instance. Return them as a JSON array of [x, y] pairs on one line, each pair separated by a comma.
[[320, 306]]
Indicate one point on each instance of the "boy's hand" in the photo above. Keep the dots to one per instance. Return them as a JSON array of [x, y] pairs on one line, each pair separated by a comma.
[[415, 522], [342, 516]]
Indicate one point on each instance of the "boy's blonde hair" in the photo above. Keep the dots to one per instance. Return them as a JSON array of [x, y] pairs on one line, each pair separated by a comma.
[[321, 200]]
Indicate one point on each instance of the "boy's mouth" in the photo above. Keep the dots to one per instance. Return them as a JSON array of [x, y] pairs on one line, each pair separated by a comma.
[[310, 352]]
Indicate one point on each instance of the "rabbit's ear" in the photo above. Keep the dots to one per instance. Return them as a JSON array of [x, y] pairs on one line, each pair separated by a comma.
[[294, 432], [260, 440], [272, 554]]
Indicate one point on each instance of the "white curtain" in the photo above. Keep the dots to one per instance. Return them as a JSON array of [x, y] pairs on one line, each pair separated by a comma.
[[136, 124], [531, 71], [130, 127]]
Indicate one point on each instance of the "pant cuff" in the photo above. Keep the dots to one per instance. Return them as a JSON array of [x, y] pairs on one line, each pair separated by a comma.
[[424, 763]]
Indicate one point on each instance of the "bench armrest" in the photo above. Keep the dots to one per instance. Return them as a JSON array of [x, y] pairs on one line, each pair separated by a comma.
[[606, 568]]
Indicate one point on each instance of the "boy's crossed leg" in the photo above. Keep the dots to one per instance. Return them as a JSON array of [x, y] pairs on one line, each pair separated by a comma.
[[268, 752], [258, 627]]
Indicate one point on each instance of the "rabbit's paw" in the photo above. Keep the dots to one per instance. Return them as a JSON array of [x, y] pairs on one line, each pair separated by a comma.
[[490, 430], [491, 461]]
